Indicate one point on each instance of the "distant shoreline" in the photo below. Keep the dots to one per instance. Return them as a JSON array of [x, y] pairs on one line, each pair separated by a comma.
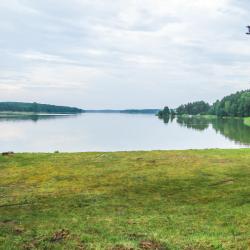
[[129, 111], [125, 111], [9, 113]]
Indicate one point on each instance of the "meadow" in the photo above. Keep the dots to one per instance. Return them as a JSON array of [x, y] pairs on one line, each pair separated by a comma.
[[194, 199]]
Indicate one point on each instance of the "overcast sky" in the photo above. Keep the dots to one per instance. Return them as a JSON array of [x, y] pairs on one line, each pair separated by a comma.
[[123, 53]]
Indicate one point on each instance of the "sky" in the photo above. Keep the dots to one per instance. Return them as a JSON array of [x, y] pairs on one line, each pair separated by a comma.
[[118, 54]]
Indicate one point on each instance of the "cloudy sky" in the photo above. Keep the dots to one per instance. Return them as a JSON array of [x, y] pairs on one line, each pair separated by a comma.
[[123, 53]]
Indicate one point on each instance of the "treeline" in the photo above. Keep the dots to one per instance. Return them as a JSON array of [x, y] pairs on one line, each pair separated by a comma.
[[37, 108], [237, 104], [140, 111], [193, 108], [125, 111]]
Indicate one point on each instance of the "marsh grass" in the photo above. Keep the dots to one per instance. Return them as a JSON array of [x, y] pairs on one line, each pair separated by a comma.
[[197, 199]]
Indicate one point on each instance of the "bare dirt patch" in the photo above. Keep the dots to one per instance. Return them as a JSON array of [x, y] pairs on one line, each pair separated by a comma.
[[151, 245], [60, 235], [18, 230], [10, 153], [121, 247]]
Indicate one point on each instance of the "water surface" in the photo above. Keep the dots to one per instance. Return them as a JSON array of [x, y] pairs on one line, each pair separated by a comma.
[[118, 132]]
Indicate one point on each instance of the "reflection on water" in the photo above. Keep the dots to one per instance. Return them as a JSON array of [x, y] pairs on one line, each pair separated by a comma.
[[232, 128], [32, 117], [193, 122], [118, 132]]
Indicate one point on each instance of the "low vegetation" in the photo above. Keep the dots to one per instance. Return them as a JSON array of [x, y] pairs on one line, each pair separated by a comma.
[[197, 199]]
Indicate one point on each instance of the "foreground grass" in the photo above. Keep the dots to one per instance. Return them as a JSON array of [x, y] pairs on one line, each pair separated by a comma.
[[126, 200]]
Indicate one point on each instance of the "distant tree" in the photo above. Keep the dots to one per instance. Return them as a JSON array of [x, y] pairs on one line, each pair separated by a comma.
[[165, 112], [172, 112]]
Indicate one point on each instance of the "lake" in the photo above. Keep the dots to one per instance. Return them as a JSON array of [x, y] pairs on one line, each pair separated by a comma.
[[118, 132]]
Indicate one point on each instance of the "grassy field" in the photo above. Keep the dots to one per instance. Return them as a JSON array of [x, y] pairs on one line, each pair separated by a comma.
[[197, 199]]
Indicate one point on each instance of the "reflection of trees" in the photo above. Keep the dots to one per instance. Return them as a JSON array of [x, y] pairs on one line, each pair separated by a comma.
[[167, 118], [197, 123], [232, 128], [32, 117]]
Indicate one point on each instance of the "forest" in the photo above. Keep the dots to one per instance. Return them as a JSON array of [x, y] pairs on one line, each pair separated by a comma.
[[237, 104], [37, 108]]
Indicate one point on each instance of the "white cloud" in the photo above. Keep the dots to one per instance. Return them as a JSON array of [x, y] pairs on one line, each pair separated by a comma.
[[43, 76], [43, 57], [116, 47]]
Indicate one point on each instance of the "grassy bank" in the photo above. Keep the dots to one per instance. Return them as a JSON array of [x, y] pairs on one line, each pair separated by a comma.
[[200, 116], [135, 200], [247, 121]]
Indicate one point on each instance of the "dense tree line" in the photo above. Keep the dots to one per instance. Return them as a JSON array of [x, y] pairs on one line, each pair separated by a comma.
[[237, 104], [36, 108], [193, 108]]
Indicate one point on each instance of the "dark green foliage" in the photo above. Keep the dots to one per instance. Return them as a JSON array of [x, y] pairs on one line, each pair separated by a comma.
[[237, 104], [165, 112], [194, 108], [36, 108], [172, 112]]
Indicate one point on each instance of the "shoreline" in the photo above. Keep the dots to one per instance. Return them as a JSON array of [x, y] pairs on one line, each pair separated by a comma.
[[132, 151]]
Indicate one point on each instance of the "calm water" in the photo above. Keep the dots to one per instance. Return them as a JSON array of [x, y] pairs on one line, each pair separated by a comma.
[[116, 132]]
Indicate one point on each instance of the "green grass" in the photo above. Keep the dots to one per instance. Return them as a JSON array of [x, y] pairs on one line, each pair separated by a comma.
[[197, 199], [201, 116], [247, 121], [208, 116]]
